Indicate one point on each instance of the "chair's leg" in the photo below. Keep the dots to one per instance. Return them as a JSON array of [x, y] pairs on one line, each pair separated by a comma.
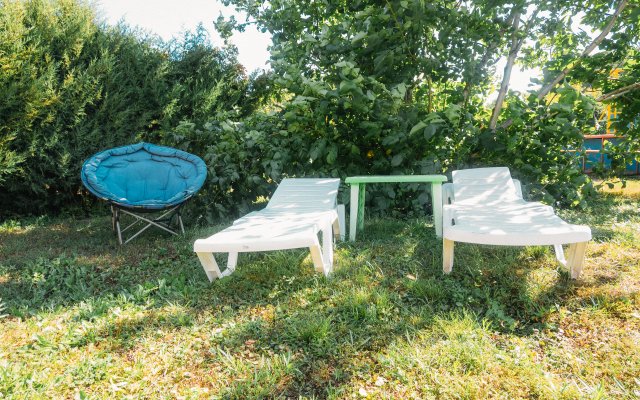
[[353, 211], [152, 222], [210, 266], [113, 219], [560, 254], [117, 224], [436, 205], [339, 225], [131, 225], [180, 221], [361, 201], [575, 261], [447, 255], [163, 222], [138, 233]]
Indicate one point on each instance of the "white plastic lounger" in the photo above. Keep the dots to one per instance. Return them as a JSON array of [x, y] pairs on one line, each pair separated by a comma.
[[485, 206], [298, 210]]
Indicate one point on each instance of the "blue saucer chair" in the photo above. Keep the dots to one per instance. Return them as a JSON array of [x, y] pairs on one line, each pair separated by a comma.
[[142, 180]]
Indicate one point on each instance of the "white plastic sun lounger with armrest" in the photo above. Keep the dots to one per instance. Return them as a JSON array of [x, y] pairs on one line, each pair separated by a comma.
[[298, 211], [485, 206]]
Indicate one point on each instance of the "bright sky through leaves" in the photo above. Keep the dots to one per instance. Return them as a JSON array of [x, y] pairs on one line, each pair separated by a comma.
[[168, 18]]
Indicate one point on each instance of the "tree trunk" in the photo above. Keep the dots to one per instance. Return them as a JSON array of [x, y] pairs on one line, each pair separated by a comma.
[[506, 76], [466, 93]]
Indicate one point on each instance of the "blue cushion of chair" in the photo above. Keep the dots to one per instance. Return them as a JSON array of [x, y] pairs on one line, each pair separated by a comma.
[[144, 175]]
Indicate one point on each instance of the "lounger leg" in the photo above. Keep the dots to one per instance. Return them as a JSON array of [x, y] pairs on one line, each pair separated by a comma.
[[447, 255], [316, 256], [338, 225], [232, 262], [210, 266], [322, 256], [327, 250], [576, 258], [560, 254]]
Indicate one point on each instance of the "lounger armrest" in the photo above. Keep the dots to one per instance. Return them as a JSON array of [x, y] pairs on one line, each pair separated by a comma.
[[518, 186], [447, 194]]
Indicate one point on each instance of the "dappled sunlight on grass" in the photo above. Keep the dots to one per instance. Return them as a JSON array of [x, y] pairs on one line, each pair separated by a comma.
[[631, 189], [459, 350], [142, 320]]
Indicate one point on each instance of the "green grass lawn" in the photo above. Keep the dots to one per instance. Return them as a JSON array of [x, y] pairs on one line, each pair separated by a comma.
[[87, 318]]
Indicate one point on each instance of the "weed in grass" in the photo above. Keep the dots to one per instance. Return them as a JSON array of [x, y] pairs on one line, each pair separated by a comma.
[[311, 332]]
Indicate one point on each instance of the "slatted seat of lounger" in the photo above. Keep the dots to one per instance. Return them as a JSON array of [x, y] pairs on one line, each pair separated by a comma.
[[485, 206], [298, 211]]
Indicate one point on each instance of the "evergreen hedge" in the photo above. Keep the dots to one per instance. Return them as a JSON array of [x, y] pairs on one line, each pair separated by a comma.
[[71, 86]]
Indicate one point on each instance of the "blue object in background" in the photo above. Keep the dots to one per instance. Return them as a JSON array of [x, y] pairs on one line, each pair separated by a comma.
[[594, 145], [594, 151], [144, 176]]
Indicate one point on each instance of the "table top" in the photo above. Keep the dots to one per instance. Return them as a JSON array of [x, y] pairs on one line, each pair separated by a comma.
[[397, 179]]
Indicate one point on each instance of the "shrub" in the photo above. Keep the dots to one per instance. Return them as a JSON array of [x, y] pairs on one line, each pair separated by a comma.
[[70, 87]]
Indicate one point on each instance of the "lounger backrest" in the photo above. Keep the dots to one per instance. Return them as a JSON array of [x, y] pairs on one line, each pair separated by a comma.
[[484, 186], [305, 194]]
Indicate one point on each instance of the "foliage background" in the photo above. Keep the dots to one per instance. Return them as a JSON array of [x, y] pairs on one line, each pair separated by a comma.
[[358, 87], [71, 86]]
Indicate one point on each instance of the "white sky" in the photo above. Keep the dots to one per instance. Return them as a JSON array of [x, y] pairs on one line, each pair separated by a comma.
[[520, 79], [168, 18]]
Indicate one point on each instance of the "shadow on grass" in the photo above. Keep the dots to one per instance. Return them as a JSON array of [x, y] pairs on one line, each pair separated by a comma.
[[316, 334], [68, 261]]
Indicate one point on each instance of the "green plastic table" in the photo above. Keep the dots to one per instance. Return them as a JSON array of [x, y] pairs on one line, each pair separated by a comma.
[[358, 186]]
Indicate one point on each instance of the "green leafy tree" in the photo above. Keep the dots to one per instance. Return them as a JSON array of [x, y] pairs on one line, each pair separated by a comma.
[[375, 87], [400, 86]]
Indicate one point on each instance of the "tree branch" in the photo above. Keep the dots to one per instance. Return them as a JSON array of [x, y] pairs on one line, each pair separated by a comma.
[[549, 86], [619, 92]]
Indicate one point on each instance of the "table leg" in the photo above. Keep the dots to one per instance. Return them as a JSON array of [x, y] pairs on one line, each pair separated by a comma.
[[436, 200], [353, 211], [361, 194]]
